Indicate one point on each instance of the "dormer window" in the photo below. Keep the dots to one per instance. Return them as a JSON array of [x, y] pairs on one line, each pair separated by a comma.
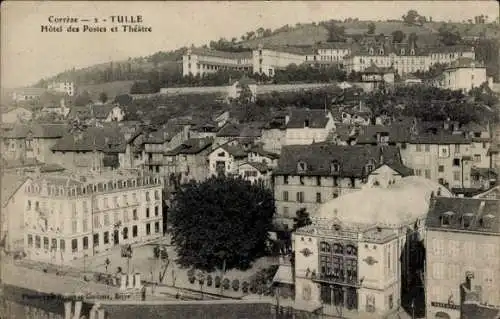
[[381, 51], [412, 52], [301, 167], [306, 123], [446, 218], [371, 51], [467, 220], [335, 167], [403, 51]]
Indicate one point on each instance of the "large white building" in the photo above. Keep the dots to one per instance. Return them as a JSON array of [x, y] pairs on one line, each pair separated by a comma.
[[268, 61], [464, 74], [63, 87], [206, 61], [354, 260], [403, 58], [67, 217]]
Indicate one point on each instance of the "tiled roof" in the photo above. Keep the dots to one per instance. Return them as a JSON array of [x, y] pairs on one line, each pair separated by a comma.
[[439, 138], [484, 214], [37, 131], [262, 152], [451, 49], [333, 45], [291, 49], [465, 63], [162, 135], [191, 146], [101, 111], [377, 70], [230, 130], [107, 140], [397, 133], [319, 157], [222, 54], [316, 118], [261, 167], [235, 150]]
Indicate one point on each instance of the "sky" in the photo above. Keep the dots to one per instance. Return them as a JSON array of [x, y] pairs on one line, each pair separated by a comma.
[[27, 54]]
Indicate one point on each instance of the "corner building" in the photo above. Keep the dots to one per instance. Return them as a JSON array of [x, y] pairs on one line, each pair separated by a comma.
[[68, 217]]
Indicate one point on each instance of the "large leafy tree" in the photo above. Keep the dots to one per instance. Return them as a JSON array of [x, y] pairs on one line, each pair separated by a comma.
[[301, 219], [221, 222]]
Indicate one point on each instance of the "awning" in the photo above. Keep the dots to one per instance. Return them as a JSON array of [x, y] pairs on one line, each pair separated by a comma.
[[284, 275]]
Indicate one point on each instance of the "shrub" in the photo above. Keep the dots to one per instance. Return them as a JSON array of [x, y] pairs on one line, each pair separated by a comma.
[[236, 285], [244, 286], [226, 283], [192, 279], [209, 281], [253, 287], [217, 281], [191, 272]]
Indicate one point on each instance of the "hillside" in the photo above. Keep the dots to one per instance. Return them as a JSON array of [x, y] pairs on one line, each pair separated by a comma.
[[300, 35]]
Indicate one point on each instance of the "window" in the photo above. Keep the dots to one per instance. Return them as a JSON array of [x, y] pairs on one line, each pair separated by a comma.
[[147, 212], [285, 179], [418, 172], [30, 241], [285, 211], [441, 168], [85, 242], [477, 158], [134, 214], [456, 162], [456, 175], [29, 205], [85, 225], [125, 233], [157, 227], [285, 196], [391, 301], [427, 148], [300, 197], [438, 270], [157, 195], [318, 197], [106, 237], [37, 242], [134, 231], [148, 229], [106, 219], [428, 173], [454, 248], [466, 220], [74, 226], [147, 197], [125, 216], [318, 180], [334, 167], [115, 202], [156, 210], [105, 202], [446, 218], [301, 179], [457, 148], [418, 148], [62, 245], [74, 245], [96, 240]]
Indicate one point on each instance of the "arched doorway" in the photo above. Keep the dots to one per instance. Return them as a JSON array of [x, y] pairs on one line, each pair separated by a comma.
[[442, 315]]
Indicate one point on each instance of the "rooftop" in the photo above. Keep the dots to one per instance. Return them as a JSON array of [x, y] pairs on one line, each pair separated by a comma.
[[37, 131], [465, 215], [318, 158], [10, 184], [314, 119], [398, 204], [221, 54], [105, 139]]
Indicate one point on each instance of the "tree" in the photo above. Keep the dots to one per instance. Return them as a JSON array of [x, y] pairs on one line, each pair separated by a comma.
[[449, 35], [103, 97], [83, 99], [371, 28], [301, 219], [221, 221], [123, 99], [411, 17], [246, 95], [398, 36]]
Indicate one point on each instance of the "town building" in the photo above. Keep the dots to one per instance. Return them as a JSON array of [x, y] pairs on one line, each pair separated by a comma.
[[70, 216], [462, 259], [206, 61], [225, 159], [27, 94], [309, 175], [326, 54], [269, 60], [363, 251], [256, 172], [403, 58], [235, 89], [66, 87], [375, 78], [304, 127], [464, 74], [29, 142]]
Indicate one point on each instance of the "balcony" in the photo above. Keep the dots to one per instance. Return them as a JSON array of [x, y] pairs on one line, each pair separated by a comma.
[[343, 280]]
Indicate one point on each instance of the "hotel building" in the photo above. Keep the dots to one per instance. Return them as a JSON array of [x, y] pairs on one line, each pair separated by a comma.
[[206, 61], [67, 217]]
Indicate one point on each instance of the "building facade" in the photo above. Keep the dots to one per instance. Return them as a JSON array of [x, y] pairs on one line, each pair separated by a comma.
[[462, 251], [304, 127], [63, 87], [354, 260], [205, 61], [464, 75], [68, 217], [268, 61]]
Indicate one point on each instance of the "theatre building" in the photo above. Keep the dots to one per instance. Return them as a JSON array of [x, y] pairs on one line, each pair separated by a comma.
[[363, 252], [68, 216]]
